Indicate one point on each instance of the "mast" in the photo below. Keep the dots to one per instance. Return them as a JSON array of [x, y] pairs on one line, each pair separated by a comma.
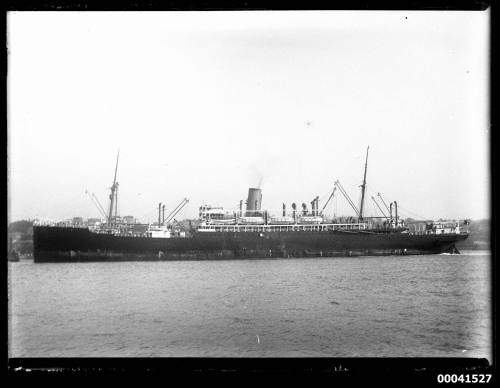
[[116, 202], [363, 187], [113, 191], [396, 210]]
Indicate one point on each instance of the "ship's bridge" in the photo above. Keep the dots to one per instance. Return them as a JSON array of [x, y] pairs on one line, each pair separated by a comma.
[[208, 213]]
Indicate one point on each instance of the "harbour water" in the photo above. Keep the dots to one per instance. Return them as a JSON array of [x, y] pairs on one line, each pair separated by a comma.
[[407, 306]]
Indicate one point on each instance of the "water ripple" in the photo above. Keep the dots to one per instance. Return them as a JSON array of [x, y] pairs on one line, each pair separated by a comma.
[[422, 306]]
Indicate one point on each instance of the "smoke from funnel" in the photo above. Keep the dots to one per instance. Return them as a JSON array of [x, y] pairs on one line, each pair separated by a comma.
[[256, 173]]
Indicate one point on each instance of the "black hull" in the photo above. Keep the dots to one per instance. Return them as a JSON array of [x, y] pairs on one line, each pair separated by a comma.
[[56, 244]]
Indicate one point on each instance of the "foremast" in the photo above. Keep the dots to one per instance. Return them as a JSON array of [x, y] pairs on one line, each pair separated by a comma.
[[363, 188], [113, 196]]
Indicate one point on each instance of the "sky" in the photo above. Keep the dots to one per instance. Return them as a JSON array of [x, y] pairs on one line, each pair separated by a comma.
[[204, 105]]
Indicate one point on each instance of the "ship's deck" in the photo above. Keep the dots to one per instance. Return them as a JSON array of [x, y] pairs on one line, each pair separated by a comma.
[[282, 228], [348, 227]]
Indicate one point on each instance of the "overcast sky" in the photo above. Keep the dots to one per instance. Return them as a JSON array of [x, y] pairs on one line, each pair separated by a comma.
[[205, 105]]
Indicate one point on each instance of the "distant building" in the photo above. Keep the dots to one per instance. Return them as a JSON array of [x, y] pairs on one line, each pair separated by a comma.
[[129, 220], [77, 221], [93, 222], [138, 228]]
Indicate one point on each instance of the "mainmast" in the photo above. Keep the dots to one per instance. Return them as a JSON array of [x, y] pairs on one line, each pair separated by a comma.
[[363, 187], [114, 193]]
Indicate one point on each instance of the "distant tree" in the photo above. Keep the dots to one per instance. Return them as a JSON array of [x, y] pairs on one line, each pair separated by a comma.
[[22, 226], [24, 247]]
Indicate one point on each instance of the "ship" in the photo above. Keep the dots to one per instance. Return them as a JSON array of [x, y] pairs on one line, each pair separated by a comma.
[[248, 232]]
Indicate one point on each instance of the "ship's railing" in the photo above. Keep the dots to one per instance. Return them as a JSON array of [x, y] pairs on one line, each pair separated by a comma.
[[105, 231], [60, 224], [434, 232], [436, 227], [283, 228]]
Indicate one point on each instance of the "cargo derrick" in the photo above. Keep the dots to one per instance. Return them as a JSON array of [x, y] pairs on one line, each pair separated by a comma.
[[379, 208], [329, 198], [382, 199]]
